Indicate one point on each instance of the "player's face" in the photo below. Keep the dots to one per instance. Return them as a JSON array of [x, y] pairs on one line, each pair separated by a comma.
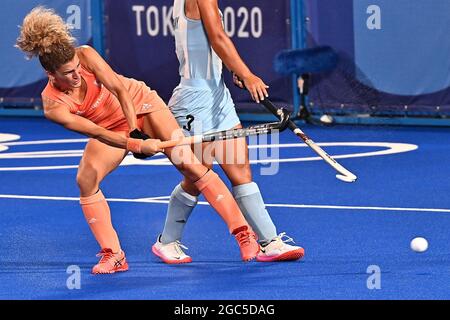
[[68, 75]]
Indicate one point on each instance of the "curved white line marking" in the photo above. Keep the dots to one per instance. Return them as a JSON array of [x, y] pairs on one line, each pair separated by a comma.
[[160, 160], [5, 137], [391, 148]]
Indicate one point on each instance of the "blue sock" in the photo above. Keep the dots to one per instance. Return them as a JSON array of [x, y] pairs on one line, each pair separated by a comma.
[[252, 206], [180, 207]]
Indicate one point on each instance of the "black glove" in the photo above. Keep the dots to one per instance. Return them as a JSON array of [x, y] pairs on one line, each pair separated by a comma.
[[137, 134]]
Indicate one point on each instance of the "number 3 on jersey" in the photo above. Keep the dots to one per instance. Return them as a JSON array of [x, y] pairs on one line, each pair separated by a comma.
[[190, 119]]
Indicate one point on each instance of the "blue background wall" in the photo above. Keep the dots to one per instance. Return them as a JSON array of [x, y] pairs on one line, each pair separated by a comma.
[[22, 81], [393, 54], [139, 41]]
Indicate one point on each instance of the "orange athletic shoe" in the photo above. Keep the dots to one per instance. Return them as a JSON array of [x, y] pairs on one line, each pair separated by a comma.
[[110, 262], [248, 245]]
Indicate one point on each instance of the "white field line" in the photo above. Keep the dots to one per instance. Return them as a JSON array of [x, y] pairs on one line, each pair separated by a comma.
[[164, 200]]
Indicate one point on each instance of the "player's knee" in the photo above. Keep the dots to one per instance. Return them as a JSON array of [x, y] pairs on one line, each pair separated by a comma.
[[191, 172], [182, 167], [240, 174], [87, 177], [189, 187]]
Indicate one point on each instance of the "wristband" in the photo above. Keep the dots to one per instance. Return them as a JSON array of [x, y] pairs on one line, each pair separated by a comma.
[[134, 145]]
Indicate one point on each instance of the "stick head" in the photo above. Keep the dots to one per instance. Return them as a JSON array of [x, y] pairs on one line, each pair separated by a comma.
[[284, 116], [348, 179]]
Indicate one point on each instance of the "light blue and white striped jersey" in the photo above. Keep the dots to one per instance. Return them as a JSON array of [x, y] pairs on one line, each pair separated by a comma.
[[202, 94], [195, 54]]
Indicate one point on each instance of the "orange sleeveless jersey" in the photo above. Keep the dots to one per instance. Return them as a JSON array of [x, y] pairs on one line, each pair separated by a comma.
[[102, 107]]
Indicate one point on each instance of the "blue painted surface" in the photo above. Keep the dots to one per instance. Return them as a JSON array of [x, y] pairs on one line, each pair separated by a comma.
[[42, 238]]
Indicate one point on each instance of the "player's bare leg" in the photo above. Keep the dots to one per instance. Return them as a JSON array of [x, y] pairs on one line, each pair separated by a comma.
[[98, 161], [162, 125]]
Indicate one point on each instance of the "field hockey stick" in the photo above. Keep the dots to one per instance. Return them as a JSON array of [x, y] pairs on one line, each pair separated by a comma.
[[343, 173], [266, 128]]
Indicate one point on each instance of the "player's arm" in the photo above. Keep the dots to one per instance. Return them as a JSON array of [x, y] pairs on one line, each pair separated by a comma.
[[59, 114], [225, 49], [106, 75]]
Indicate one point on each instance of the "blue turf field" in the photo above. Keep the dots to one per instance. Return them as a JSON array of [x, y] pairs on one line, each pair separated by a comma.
[[345, 228]]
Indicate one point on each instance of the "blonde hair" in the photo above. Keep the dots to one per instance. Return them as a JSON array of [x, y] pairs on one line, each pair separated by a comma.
[[44, 34]]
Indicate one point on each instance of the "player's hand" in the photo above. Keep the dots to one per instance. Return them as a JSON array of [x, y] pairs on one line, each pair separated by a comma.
[[151, 147], [256, 87]]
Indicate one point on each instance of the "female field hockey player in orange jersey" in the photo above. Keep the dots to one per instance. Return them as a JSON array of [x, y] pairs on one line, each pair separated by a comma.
[[85, 95]]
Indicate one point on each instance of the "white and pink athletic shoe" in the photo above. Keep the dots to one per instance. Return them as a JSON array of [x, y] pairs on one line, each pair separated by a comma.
[[171, 253], [279, 250]]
